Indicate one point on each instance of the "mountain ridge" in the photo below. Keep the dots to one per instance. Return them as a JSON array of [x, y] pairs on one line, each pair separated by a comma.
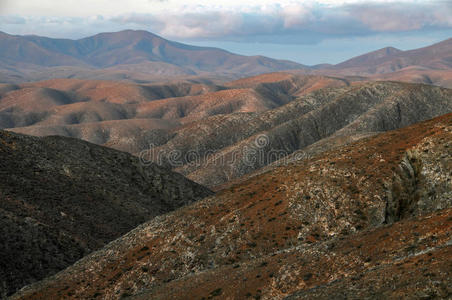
[[129, 47], [143, 57]]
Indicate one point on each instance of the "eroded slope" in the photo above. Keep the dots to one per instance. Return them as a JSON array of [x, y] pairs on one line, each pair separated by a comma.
[[323, 115], [83, 108]]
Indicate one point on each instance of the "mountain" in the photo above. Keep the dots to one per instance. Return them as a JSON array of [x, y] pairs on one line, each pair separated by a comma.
[[386, 60], [127, 52], [143, 57], [61, 198], [370, 59], [291, 114], [369, 220], [328, 117], [323, 190]]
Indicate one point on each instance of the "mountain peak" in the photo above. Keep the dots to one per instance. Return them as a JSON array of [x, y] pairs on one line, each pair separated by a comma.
[[370, 57], [125, 36], [127, 33], [389, 50]]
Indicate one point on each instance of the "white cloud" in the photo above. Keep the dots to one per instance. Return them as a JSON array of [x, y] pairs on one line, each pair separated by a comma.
[[297, 15]]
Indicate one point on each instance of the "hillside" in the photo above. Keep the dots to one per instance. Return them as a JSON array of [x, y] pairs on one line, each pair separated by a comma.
[[129, 54], [61, 198], [129, 117], [370, 220], [226, 141], [220, 124]]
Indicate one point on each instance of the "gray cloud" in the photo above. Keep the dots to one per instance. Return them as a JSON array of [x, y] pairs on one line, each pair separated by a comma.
[[300, 20], [401, 16]]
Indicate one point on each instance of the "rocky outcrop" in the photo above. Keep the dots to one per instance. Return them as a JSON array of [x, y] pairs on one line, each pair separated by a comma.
[[422, 183]]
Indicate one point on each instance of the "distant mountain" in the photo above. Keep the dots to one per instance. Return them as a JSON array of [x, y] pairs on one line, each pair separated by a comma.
[[386, 60], [370, 220], [138, 52], [61, 198], [370, 58], [143, 57]]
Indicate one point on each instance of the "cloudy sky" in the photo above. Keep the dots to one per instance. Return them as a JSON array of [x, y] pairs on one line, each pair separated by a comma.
[[309, 32]]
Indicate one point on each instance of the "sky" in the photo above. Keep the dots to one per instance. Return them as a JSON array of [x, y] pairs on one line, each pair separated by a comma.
[[309, 32]]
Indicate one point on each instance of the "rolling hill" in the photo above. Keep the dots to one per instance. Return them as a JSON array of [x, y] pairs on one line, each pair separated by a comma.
[[331, 184], [418, 75]]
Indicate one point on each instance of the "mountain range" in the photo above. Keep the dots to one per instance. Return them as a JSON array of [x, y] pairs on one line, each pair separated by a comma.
[[143, 57], [129, 116]]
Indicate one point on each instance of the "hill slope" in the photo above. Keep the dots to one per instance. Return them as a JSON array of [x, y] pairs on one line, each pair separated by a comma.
[[224, 147], [129, 117], [220, 124], [370, 219], [61, 198]]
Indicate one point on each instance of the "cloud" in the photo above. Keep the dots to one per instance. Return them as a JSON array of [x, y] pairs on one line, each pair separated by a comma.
[[205, 23], [287, 22], [295, 19], [381, 17]]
